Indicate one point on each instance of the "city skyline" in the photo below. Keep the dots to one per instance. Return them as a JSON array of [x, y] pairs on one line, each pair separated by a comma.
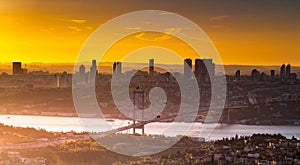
[[200, 68], [107, 67], [150, 82], [253, 32]]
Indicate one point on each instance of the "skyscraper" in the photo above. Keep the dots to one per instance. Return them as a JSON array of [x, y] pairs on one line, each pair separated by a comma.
[[151, 66], [255, 74], [187, 67], [288, 72], [204, 69], [114, 67], [94, 63], [93, 71], [17, 68], [199, 68], [282, 72], [64, 77], [82, 70], [272, 74], [210, 67], [57, 76], [94, 67], [238, 75], [117, 68]]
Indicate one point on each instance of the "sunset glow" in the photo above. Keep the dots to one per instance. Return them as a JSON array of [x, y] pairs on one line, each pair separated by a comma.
[[251, 33]]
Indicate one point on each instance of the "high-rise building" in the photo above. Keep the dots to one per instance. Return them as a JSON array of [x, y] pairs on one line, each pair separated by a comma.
[[82, 75], [57, 76], [187, 67], [94, 67], [82, 70], [282, 72], [255, 74], [204, 69], [17, 68], [199, 68], [288, 71], [238, 75], [210, 67], [114, 67], [293, 77], [117, 68], [272, 74], [94, 63], [151, 66], [93, 71], [64, 77]]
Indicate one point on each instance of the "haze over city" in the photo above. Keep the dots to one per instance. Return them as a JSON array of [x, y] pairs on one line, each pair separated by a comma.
[[149, 82], [244, 32]]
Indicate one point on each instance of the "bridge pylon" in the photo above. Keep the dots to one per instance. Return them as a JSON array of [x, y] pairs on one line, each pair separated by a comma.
[[142, 94]]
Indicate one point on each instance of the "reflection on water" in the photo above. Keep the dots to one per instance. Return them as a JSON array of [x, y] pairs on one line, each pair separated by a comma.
[[65, 124]]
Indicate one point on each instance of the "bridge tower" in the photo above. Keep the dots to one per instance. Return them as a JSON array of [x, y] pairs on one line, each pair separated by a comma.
[[140, 93], [228, 109]]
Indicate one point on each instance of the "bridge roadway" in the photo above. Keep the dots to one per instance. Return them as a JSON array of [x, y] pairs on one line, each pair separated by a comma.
[[136, 125], [61, 140]]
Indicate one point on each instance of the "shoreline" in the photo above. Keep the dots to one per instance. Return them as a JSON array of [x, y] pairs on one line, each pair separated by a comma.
[[111, 118]]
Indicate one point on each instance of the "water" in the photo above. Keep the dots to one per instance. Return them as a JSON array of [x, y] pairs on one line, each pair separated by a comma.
[[66, 124]]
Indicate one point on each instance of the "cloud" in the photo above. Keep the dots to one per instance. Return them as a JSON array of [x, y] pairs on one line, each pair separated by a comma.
[[133, 28], [219, 18], [78, 20], [144, 37], [74, 28], [168, 32], [171, 31]]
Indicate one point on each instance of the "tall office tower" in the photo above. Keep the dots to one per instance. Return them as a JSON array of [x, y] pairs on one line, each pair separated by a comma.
[[17, 68], [199, 68], [204, 69], [93, 71], [238, 75], [272, 74], [63, 80], [114, 68], [94, 67], [82, 75], [117, 68], [82, 70], [213, 69], [94, 63], [288, 72], [282, 72], [210, 67], [151, 66], [255, 74], [57, 76], [293, 77], [187, 67]]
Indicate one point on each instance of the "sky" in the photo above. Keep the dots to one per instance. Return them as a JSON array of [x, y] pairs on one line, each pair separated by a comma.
[[246, 32]]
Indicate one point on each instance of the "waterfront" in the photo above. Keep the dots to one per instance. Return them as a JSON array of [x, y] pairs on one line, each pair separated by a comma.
[[66, 124]]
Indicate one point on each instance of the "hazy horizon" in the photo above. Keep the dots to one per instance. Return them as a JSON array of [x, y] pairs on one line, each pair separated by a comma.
[[106, 67], [244, 32]]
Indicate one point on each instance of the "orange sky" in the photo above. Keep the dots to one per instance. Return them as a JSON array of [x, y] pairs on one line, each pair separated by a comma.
[[248, 32]]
